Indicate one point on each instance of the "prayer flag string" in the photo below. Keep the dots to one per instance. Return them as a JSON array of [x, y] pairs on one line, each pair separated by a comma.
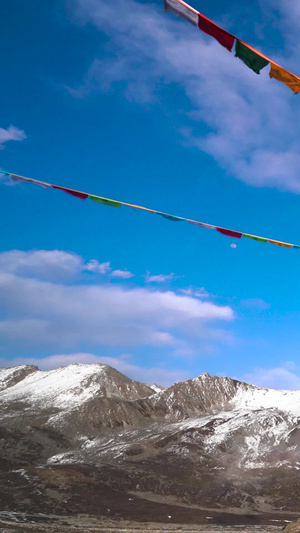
[[249, 55], [117, 203]]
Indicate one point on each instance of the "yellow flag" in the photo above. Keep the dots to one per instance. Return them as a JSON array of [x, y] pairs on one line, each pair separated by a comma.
[[279, 243], [280, 74]]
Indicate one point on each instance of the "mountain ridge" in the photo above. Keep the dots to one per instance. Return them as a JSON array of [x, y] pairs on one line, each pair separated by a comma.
[[225, 387], [210, 440]]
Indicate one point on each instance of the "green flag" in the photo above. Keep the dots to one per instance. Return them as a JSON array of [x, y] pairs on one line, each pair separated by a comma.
[[104, 201], [250, 58], [255, 237]]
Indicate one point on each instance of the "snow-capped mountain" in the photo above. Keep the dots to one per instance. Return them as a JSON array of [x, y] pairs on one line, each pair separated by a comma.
[[207, 443], [67, 387]]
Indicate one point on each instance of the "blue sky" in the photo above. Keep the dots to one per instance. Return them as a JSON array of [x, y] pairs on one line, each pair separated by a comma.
[[123, 100]]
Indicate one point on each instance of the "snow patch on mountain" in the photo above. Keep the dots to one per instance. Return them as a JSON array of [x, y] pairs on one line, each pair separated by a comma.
[[156, 388], [258, 398], [11, 375], [66, 388]]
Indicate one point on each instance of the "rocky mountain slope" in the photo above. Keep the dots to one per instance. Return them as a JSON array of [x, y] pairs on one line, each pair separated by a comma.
[[87, 439]]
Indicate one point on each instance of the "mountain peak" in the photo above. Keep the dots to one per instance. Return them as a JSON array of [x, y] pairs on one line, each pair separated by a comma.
[[10, 376], [69, 386]]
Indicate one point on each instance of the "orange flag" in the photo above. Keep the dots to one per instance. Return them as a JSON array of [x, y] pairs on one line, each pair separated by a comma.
[[280, 74], [280, 243]]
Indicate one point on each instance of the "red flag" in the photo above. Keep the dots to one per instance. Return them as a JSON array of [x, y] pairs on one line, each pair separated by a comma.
[[81, 195], [230, 233], [222, 36]]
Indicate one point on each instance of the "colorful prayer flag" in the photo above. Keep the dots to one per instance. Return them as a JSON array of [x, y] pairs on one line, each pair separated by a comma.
[[222, 36], [17, 178], [201, 224], [250, 58], [255, 237], [78, 194], [170, 217], [229, 232], [115, 203], [179, 10], [279, 243], [289, 79], [105, 201], [249, 55]]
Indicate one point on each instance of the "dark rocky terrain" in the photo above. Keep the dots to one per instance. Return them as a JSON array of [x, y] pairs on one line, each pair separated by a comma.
[[86, 443]]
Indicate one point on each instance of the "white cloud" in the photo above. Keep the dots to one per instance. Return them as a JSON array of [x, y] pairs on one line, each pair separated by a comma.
[[11, 134], [53, 265], [198, 292], [280, 377], [162, 376], [40, 307], [95, 266], [151, 49], [184, 352], [255, 303], [122, 274], [159, 278], [287, 18], [43, 264]]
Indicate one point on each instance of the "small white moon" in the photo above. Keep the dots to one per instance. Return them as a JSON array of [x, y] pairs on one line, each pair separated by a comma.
[[233, 246]]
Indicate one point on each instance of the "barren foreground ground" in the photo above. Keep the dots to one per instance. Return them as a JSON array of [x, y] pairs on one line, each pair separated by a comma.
[[76, 524]]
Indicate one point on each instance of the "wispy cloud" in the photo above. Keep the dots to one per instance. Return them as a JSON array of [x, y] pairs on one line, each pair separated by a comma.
[[11, 134], [280, 377], [196, 292], [122, 274], [99, 268], [159, 278], [105, 268], [45, 304], [286, 16], [241, 110], [255, 304]]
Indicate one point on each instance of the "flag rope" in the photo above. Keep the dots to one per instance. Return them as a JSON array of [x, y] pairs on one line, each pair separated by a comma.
[[276, 70], [118, 203]]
